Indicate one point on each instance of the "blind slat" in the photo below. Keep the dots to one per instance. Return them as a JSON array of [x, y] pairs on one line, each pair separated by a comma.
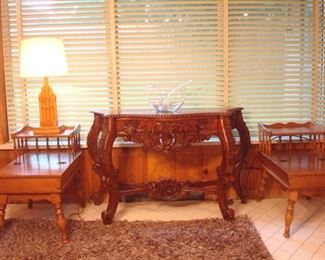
[[164, 43], [270, 59]]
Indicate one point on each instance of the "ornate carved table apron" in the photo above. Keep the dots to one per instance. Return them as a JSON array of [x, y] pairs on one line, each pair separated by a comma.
[[163, 132]]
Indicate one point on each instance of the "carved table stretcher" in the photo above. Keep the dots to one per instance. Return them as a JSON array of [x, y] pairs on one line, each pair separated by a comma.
[[164, 132]]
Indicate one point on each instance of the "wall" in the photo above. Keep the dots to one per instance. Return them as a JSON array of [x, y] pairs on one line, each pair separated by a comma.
[[136, 165], [3, 109]]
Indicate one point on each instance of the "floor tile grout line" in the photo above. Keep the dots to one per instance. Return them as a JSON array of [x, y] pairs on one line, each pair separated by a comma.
[[315, 231], [307, 239]]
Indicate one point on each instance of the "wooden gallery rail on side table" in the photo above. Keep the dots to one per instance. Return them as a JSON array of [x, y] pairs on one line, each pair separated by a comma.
[[164, 132]]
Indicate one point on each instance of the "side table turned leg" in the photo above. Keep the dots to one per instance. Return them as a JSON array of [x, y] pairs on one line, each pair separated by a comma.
[[3, 204], [60, 220], [292, 198]]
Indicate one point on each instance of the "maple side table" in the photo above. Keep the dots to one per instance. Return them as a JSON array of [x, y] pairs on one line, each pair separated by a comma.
[[165, 132], [293, 155], [43, 170]]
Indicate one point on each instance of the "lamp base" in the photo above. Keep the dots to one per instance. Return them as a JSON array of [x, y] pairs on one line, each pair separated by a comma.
[[48, 130]]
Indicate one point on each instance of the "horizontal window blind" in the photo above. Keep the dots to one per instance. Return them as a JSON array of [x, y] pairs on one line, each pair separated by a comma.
[[256, 54], [163, 44], [320, 61], [270, 58], [83, 27]]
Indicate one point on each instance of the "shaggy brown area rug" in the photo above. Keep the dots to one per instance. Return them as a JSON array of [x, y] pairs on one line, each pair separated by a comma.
[[194, 239]]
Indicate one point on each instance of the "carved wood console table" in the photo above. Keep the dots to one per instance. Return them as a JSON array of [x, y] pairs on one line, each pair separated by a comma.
[[164, 132]]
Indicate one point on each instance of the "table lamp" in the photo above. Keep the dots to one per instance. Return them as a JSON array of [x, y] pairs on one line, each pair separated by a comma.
[[44, 57]]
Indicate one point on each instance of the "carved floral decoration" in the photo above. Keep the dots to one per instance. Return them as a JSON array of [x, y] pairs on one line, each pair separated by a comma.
[[167, 189], [164, 136]]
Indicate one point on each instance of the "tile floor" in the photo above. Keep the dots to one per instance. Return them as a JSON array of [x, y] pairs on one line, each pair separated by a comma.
[[308, 229]]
